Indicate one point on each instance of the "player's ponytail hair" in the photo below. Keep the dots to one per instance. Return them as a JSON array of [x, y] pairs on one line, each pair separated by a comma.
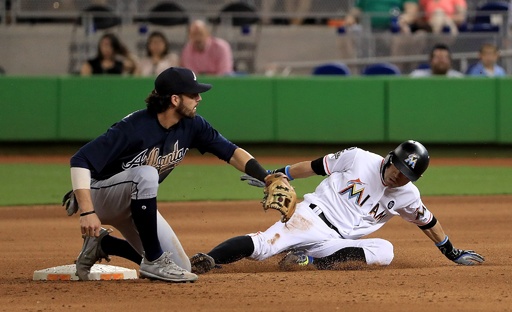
[[156, 103]]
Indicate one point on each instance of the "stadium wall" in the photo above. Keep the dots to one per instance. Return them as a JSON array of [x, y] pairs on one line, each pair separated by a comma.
[[261, 109]]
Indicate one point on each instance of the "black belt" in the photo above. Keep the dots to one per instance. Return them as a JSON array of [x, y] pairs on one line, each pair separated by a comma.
[[322, 216]]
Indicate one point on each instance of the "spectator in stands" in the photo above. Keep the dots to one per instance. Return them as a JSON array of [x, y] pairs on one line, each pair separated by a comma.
[[441, 14], [383, 18], [440, 64], [112, 58], [158, 57], [205, 54], [385, 15], [295, 9], [487, 66]]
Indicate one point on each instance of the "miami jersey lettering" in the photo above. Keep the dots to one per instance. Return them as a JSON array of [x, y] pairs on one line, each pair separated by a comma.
[[354, 198]]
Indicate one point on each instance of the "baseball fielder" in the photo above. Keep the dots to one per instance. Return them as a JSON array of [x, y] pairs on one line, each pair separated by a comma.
[[361, 193], [116, 177]]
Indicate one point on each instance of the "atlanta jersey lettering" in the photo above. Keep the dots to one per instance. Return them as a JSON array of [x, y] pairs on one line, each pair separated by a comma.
[[354, 198], [139, 139]]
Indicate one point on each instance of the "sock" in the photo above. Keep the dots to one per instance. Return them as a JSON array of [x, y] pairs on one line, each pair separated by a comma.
[[232, 250], [342, 255], [114, 246], [144, 217]]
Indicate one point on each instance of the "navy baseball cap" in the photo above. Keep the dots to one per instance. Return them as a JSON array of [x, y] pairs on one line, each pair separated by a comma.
[[179, 80]]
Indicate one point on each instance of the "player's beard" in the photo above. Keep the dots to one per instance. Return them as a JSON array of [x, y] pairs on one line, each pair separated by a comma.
[[184, 111]]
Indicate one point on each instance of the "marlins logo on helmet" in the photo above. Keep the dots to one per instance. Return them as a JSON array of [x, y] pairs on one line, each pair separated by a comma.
[[411, 160]]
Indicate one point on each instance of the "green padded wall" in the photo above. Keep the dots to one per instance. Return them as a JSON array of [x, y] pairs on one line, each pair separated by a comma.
[[239, 107], [279, 109], [330, 109], [28, 108], [443, 110], [91, 105], [505, 110]]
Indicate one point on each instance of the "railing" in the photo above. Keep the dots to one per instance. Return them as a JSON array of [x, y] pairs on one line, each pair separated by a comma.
[[291, 68]]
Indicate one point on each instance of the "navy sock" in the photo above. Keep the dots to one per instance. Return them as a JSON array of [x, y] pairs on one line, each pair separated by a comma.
[[144, 217], [232, 250], [114, 246], [342, 255]]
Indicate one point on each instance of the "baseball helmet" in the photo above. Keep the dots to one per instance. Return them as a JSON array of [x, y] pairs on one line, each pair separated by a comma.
[[411, 158]]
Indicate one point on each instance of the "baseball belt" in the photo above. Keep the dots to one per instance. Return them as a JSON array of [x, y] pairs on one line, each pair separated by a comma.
[[321, 215]]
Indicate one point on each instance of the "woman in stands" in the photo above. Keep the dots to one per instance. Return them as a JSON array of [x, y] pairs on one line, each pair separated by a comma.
[[158, 57], [112, 58]]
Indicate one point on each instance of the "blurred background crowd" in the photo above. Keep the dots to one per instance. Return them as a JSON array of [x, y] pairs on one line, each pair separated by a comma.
[[257, 37]]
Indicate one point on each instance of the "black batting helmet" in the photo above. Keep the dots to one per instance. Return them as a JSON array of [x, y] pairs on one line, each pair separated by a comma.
[[411, 158]]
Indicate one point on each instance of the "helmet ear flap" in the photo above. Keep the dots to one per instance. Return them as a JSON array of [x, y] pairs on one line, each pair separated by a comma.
[[388, 160]]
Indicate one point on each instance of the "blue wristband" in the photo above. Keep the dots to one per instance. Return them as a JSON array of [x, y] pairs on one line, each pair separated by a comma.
[[287, 171]]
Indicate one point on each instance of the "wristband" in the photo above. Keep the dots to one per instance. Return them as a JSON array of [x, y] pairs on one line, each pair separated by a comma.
[[448, 250], [87, 213], [287, 172]]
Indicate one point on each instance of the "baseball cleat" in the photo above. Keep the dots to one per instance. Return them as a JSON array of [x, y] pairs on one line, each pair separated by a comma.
[[91, 253], [165, 269], [201, 263], [295, 259]]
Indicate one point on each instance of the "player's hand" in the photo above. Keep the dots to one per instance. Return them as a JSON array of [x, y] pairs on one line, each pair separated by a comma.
[[252, 181], [90, 225], [468, 257]]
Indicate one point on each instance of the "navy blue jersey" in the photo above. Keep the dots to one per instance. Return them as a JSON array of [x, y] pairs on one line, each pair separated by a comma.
[[139, 139]]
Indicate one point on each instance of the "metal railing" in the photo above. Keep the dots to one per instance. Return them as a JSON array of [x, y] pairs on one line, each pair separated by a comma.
[[464, 58]]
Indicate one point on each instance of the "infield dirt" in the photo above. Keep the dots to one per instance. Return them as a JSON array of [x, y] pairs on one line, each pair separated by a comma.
[[420, 278]]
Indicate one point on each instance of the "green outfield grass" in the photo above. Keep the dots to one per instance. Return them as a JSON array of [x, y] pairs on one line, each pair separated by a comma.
[[34, 184]]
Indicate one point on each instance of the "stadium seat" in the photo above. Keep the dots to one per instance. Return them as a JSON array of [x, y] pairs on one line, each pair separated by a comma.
[[423, 66], [240, 24], [381, 69], [239, 13], [332, 69], [102, 16], [167, 14], [483, 20]]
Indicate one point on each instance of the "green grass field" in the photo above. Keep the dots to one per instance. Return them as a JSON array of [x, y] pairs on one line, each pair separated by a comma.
[[34, 184]]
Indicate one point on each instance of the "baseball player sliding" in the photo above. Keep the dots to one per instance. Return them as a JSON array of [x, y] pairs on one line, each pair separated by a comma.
[[361, 193]]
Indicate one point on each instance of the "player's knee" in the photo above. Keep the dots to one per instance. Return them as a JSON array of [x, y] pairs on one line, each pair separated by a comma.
[[262, 249], [146, 182], [387, 253], [381, 253]]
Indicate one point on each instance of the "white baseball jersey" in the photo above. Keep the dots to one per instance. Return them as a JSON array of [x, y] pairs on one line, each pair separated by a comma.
[[355, 199]]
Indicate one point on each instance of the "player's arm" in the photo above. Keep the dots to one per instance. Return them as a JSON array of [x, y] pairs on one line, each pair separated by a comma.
[[435, 232], [303, 169], [90, 224], [245, 162]]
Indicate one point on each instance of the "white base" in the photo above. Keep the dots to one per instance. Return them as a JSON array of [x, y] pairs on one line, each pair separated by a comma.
[[99, 272]]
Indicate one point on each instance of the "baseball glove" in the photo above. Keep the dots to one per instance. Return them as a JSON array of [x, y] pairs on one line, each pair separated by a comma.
[[279, 195], [69, 201]]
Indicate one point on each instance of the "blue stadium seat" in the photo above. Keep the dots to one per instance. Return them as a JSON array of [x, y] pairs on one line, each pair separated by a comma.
[[482, 21], [332, 69], [381, 69], [423, 66]]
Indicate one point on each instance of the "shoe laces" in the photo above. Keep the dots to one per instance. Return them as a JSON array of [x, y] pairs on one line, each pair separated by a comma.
[[169, 263]]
